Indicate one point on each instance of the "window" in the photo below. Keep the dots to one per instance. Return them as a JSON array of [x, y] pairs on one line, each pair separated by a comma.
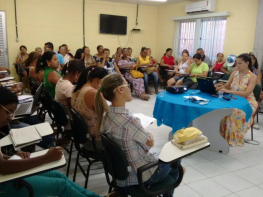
[[187, 36], [208, 33]]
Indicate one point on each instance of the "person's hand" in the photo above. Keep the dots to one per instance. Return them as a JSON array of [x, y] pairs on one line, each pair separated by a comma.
[[171, 67], [2, 76], [104, 56], [219, 86], [23, 155], [225, 90], [150, 142], [54, 154], [8, 70]]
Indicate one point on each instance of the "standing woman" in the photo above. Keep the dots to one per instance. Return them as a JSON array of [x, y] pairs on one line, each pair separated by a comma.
[[118, 54], [108, 63], [88, 59], [99, 55], [137, 83], [23, 71], [63, 51], [49, 63], [145, 62], [242, 83]]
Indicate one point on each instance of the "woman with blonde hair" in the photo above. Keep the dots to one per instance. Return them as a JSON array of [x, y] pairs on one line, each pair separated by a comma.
[[124, 129]]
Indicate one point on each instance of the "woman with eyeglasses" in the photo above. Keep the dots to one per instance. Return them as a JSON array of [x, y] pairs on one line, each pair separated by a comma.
[[197, 69], [123, 128], [83, 96], [51, 183]]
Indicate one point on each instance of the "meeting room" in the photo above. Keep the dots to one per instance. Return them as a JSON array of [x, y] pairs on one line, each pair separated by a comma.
[[139, 98]]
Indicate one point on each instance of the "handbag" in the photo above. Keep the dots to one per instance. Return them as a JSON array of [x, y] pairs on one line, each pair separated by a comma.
[[136, 74]]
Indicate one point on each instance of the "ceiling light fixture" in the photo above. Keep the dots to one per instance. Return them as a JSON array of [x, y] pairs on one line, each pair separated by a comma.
[[158, 0]]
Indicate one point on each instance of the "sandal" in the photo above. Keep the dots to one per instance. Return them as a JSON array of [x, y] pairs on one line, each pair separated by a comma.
[[156, 91], [144, 97], [149, 92]]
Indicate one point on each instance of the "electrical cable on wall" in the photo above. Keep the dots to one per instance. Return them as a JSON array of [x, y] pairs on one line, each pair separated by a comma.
[[17, 39]]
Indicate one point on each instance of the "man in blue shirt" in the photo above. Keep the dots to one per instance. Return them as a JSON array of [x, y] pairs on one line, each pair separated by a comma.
[[50, 47]]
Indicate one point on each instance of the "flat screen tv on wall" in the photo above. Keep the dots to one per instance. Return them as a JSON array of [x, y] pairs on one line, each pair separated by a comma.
[[111, 24]]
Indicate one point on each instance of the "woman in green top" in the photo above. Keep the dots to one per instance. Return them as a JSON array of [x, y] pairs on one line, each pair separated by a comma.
[[197, 69], [49, 63]]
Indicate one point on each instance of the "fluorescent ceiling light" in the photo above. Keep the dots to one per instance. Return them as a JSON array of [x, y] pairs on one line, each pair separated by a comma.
[[157, 0]]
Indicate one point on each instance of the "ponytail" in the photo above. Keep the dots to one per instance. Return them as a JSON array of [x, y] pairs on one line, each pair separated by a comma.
[[42, 61], [31, 57], [246, 58], [89, 74], [73, 66], [108, 84]]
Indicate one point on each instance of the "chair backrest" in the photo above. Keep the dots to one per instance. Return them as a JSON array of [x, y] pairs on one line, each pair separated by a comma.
[[80, 129], [226, 76], [61, 115], [117, 159], [257, 91], [48, 99], [33, 85]]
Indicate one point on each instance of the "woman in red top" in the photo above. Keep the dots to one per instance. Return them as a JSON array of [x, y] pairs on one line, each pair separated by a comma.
[[219, 63], [168, 62]]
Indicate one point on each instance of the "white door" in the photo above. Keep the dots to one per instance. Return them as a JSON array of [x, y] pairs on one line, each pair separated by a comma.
[[3, 41]]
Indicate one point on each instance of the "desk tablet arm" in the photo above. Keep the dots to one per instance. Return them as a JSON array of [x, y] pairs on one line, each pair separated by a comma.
[[164, 189], [18, 184]]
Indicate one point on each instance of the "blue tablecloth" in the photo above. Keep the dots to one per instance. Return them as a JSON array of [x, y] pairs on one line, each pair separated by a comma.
[[173, 111]]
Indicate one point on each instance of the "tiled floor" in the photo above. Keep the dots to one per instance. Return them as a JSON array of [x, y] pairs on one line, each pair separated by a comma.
[[208, 174]]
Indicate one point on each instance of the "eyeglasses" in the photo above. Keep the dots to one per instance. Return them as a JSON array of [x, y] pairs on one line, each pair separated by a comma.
[[126, 85], [9, 113]]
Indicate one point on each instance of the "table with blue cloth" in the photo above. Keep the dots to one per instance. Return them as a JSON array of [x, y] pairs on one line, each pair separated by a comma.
[[178, 112]]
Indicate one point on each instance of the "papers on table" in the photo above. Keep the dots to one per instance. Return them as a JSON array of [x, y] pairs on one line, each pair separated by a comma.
[[220, 73], [7, 78], [197, 98], [25, 136], [145, 120], [25, 98]]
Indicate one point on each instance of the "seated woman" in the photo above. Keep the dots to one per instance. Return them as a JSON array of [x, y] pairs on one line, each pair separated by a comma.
[[38, 50], [229, 65], [145, 61], [49, 63], [180, 69], [242, 83], [129, 50], [50, 183], [21, 58], [219, 63], [137, 83], [154, 61], [197, 69], [99, 55], [88, 59], [256, 71], [71, 72], [168, 62], [79, 55], [118, 54], [123, 128], [31, 63], [63, 51], [83, 96], [108, 63]]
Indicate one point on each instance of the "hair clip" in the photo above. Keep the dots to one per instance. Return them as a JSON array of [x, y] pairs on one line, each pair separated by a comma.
[[41, 63], [100, 89]]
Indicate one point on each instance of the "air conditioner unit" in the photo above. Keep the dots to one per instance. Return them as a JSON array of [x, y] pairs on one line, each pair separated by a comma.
[[201, 7]]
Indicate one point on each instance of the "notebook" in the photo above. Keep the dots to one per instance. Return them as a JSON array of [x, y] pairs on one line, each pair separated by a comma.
[[25, 136]]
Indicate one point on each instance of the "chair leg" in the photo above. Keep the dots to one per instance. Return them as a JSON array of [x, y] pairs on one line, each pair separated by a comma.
[[75, 170], [87, 175], [69, 158], [252, 133], [110, 189], [257, 117]]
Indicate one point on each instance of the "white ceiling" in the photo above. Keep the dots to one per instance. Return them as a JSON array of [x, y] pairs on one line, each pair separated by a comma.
[[148, 2]]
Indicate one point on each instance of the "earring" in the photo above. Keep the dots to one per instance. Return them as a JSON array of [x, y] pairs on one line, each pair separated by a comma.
[[76, 77], [48, 65]]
